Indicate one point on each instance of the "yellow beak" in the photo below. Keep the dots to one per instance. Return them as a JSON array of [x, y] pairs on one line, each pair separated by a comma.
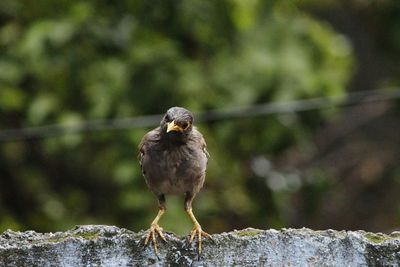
[[173, 127]]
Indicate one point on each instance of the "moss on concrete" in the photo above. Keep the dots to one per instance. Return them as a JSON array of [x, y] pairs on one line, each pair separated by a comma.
[[377, 238], [110, 246], [250, 232]]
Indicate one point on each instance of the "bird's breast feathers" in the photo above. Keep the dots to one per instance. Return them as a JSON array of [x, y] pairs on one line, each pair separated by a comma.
[[175, 171]]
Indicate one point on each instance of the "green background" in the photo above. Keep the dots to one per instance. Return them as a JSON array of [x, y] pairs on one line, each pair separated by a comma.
[[66, 62]]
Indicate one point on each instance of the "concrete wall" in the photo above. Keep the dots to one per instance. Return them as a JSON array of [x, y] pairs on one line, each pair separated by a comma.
[[111, 246]]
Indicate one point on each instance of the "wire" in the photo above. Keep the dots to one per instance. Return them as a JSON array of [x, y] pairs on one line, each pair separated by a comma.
[[302, 105], [354, 98]]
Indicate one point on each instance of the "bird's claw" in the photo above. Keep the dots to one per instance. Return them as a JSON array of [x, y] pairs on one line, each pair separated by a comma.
[[197, 231], [151, 235]]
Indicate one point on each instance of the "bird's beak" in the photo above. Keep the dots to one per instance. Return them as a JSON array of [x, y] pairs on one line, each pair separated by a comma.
[[174, 127]]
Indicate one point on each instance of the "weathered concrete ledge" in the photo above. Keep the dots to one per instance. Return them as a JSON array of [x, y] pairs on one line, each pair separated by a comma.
[[96, 245]]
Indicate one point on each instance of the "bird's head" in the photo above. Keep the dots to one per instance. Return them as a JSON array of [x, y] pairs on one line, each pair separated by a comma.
[[177, 121]]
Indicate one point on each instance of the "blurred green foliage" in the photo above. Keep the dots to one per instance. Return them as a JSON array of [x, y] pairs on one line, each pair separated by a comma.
[[70, 61]]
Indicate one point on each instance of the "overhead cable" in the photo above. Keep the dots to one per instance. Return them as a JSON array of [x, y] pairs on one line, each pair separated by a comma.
[[354, 98]]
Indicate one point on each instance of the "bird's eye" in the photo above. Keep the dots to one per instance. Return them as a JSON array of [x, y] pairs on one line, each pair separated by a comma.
[[185, 125], [167, 118]]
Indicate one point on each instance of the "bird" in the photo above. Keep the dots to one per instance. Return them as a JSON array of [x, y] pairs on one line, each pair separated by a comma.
[[173, 159]]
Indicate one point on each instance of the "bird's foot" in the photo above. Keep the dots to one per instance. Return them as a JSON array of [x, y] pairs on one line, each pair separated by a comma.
[[151, 235], [197, 231]]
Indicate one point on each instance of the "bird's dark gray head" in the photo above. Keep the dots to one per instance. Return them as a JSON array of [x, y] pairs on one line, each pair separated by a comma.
[[177, 120]]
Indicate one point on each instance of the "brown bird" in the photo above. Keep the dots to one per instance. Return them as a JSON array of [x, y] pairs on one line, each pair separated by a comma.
[[173, 158]]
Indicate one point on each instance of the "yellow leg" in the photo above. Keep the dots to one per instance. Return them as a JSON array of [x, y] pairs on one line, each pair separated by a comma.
[[155, 228], [197, 230]]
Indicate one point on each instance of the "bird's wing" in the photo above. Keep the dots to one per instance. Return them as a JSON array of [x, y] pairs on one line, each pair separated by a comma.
[[147, 140], [200, 140], [204, 148], [141, 152]]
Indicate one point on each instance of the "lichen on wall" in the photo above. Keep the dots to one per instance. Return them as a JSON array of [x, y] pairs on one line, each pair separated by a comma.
[[96, 245]]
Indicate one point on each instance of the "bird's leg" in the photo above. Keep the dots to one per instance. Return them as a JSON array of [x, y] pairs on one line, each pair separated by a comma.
[[197, 231], [154, 227]]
